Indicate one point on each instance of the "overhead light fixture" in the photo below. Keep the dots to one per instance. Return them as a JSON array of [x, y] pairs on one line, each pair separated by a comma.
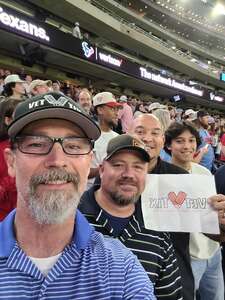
[[219, 9]]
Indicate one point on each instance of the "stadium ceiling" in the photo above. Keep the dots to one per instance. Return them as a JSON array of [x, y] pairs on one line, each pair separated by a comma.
[[63, 61], [193, 20], [98, 74]]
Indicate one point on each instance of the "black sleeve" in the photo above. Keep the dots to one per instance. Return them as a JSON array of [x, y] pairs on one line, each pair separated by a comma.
[[220, 180]]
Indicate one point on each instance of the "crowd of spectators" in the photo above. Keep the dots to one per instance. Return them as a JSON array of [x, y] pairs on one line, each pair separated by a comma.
[[194, 143]]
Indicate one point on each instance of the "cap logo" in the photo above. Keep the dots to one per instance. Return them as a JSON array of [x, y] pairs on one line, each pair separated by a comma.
[[61, 101], [100, 98]]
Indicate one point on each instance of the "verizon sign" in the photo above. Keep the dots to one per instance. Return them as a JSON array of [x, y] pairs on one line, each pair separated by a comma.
[[22, 25], [108, 58]]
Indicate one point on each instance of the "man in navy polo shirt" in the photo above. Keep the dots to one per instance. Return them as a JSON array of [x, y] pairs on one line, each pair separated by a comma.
[[48, 250]]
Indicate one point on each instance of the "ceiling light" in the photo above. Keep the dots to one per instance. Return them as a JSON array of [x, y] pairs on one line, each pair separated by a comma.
[[219, 9]]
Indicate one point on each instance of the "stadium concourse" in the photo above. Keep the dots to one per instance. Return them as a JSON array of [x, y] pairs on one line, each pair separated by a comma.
[[142, 84]]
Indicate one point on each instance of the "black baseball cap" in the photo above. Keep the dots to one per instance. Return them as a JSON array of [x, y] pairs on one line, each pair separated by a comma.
[[52, 106], [202, 113], [126, 142]]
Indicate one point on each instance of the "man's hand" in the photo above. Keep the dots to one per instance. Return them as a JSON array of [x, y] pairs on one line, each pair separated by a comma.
[[218, 203]]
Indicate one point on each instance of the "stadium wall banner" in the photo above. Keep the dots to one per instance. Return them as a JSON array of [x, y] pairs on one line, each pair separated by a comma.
[[22, 25]]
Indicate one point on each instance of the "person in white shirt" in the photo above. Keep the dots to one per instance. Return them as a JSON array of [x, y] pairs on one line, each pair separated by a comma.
[[182, 140], [106, 108], [76, 31]]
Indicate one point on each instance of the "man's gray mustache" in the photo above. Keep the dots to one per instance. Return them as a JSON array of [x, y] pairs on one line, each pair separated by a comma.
[[55, 175]]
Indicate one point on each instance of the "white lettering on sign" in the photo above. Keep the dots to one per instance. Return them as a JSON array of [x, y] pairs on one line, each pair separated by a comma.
[[110, 59], [216, 98], [170, 82], [22, 25]]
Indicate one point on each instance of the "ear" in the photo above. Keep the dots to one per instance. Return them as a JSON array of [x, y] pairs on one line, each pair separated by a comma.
[[100, 109], [10, 160], [101, 169], [8, 120], [163, 139]]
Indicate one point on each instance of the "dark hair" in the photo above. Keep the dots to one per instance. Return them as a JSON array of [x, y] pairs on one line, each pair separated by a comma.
[[96, 108], [56, 81], [8, 89], [7, 107], [177, 128], [137, 108]]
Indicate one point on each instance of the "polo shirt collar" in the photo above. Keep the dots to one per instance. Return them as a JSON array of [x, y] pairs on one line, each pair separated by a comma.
[[82, 233], [134, 226]]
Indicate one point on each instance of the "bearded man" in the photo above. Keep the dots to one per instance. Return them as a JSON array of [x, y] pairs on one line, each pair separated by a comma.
[[113, 207], [48, 249]]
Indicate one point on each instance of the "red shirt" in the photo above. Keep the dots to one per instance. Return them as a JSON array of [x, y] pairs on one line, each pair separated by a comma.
[[8, 194], [222, 140]]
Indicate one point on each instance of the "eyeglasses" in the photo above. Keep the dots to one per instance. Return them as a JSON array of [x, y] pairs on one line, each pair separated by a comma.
[[42, 145]]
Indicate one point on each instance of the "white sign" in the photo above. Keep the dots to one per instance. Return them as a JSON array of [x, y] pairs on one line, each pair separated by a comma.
[[179, 203], [170, 82], [108, 58], [22, 25]]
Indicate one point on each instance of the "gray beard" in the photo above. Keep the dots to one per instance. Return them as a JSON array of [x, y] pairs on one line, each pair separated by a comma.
[[120, 200], [53, 207]]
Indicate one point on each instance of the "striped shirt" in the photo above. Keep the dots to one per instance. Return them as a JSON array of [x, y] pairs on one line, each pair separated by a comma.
[[153, 249], [92, 267]]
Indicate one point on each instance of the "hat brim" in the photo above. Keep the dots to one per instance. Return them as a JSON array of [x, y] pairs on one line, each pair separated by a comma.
[[144, 155], [113, 104], [16, 81], [87, 125], [20, 81]]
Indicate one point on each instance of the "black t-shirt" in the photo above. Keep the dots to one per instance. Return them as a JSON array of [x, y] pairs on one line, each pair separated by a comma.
[[163, 167], [220, 187], [180, 239], [220, 180], [118, 224]]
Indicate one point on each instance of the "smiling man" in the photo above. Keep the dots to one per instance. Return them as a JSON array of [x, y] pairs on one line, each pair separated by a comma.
[[48, 249], [114, 208], [149, 130], [182, 140]]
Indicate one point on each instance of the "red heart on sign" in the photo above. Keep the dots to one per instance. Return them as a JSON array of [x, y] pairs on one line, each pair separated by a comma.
[[178, 199]]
